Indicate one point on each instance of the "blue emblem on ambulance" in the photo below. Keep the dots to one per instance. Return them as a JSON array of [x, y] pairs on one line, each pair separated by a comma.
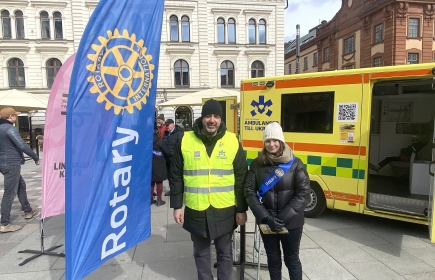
[[261, 106]]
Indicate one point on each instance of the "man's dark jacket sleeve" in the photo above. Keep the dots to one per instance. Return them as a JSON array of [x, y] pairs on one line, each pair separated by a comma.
[[15, 137], [176, 182], [240, 168]]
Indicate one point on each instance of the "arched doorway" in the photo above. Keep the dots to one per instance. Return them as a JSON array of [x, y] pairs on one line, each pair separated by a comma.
[[183, 117]]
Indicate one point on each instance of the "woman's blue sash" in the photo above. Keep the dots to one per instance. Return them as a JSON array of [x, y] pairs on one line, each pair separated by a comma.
[[157, 153], [273, 178]]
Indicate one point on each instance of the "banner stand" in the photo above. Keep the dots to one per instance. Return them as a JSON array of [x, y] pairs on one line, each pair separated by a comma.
[[43, 251], [241, 263]]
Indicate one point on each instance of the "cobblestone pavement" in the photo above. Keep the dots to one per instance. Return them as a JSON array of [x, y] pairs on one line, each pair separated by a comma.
[[336, 245]]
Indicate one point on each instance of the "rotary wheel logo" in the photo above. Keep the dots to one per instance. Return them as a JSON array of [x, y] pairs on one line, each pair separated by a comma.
[[279, 172], [121, 72]]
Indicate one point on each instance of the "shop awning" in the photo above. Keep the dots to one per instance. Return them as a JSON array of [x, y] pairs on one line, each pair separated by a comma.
[[22, 100], [195, 98]]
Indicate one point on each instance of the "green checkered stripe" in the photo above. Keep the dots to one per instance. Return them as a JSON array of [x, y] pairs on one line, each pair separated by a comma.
[[323, 165]]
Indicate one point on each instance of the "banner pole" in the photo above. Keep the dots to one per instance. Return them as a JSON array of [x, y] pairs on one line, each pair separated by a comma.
[[42, 251]]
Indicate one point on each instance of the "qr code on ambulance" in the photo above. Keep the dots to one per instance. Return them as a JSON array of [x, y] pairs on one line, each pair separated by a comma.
[[347, 112]]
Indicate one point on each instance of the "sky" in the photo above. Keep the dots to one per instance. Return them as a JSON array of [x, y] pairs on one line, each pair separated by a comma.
[[308, 14]]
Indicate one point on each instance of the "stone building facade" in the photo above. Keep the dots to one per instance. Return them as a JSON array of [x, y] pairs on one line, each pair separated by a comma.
[[204, 44], [369, 33]]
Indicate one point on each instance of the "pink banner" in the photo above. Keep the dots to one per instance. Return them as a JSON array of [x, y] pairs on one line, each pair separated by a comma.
[[53, 164]]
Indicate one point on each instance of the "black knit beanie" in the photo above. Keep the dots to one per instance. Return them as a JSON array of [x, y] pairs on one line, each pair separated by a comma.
[[161, 117], [211, 106]]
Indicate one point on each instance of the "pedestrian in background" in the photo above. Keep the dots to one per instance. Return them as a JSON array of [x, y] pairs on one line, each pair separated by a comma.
[[12, 147], [172, 137], [207, 171], [159, 172], [161, 124], [277, 189]]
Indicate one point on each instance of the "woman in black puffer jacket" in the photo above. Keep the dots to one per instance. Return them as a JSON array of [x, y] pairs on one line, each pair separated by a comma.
[[282, 205]]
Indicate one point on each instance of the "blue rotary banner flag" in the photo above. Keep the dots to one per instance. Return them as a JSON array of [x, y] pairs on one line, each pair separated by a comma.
[[109, 133]]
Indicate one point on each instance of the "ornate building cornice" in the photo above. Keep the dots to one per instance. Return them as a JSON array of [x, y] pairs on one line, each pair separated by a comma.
[[428, 12], [388, 12], [402, 10]]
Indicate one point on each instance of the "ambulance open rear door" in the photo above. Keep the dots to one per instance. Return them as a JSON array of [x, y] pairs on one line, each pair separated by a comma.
[[431, 213], [229, 109]]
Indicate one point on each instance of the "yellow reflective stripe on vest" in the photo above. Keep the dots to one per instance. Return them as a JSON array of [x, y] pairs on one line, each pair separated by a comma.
[[219, 172], [209, 190], [209, 180]]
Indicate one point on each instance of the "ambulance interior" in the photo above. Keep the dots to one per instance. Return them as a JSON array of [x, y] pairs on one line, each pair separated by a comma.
[[402, 112]]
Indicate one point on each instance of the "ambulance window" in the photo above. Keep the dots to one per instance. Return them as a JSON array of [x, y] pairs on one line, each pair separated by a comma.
[[224, 111], [307, 112]]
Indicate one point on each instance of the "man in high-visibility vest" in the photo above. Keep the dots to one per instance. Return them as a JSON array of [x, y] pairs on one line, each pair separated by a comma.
[[208, 170]]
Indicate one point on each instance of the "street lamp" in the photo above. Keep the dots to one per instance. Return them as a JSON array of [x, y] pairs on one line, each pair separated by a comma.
[[164, 94]]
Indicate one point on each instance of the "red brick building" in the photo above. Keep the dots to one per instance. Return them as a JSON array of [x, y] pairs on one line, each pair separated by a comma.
[[367, 33]]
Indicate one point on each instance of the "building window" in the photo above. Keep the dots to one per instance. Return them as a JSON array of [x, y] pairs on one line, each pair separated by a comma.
[[181, 73], [227, 74], [349, 66], [290, 68], [349, 45], [52, 67], [412, 58], [314, 59], [377, 62], [45, 25], [257, 69], [305, 63], [221, 30], [57, 18], [307, 112], [252, 31], [185, 29], [262, 31], [231, 31], [19, 24], [378, 33], [326, 55], [173, 23], [16, 73], [413, 27], [6, 25]]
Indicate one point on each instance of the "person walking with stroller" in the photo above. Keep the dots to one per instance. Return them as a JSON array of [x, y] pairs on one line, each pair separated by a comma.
[[277, 189]]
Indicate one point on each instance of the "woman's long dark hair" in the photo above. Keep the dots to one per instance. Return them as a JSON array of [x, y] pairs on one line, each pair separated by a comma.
[[264, 157]]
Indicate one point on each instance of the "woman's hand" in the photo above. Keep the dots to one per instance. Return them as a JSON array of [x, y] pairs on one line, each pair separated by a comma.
[[275, 224]]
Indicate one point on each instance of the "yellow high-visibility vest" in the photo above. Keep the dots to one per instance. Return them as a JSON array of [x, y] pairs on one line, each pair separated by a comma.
[[209, 180]]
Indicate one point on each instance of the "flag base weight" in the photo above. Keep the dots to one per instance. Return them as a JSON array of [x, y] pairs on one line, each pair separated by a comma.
[[47, 252]]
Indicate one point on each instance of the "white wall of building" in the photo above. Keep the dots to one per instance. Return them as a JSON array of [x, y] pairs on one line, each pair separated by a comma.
[[203, 54]]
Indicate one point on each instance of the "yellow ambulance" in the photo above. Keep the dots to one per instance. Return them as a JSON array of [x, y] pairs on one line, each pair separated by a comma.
[[365, 135]]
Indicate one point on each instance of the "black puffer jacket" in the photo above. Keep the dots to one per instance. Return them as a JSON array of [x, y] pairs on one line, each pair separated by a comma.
[[171, 139], [212, 222], [159, 162], [286, 200]]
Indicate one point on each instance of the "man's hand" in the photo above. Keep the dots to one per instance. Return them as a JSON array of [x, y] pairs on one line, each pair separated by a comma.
[[179, 216], [37, 162], [241, 218]]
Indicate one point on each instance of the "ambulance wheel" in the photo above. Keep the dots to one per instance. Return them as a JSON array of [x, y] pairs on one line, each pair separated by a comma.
[[317, 202]]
